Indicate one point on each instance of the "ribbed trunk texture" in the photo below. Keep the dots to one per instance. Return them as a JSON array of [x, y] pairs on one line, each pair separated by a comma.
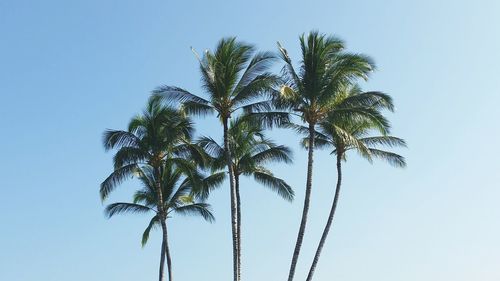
[[166, 252], [162, 260], [307, 199], [330, 218], [162, 215], [232, 185], [238, 219]]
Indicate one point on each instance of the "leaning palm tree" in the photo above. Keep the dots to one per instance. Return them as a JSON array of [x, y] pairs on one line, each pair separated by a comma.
[[312, 93], [234, 78], [344, 134], [160, 136], [251, 151], [176, 197]]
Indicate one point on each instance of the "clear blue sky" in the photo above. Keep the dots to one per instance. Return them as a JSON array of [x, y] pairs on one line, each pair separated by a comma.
[[70, 69]]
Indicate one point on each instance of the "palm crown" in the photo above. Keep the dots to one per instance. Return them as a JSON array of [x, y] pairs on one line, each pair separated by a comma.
[[357, 136], [353, 132], [234, 77], [251, 151], [160, 134], [313, 91], [177, 197]]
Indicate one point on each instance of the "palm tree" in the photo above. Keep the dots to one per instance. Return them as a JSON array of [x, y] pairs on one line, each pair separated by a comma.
[[177, 197], [160, 136], [251, 150], [312, 93], [235, 78], [344, 134]]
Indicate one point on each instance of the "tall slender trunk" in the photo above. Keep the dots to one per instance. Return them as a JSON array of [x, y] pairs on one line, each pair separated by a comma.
[[234, 222], [162, 260], [330, 218], [166, 251], [307, 199], [162, 215], [238, 218]]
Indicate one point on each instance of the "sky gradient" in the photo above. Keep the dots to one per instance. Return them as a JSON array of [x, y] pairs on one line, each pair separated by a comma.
[[71, 69]]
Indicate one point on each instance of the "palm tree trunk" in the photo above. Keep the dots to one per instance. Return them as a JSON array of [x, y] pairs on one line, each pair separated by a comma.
[[238, 219], [162, 260], [166, 252], [330, 218], [234, 221], [307, 199], [164, 243]]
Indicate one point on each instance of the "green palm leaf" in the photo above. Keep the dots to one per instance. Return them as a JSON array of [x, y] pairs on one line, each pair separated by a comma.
[[155, 221], [130, 155], [388, 141], [115, 138], [391, 157], [122, 208], [172, 94], [201, 209], [279, 153], [116, 178], [277, 185]]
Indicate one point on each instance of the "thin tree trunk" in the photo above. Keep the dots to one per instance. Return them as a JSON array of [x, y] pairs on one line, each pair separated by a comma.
[[330, 218], [307, 199], [238, 218], [166, 250], [161, 213], [234, 222], [162, 260]]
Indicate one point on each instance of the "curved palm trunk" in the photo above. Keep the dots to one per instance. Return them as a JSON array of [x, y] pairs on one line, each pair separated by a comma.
[[307, 199], [330, 218], [234, 221], [165, 252], [238, 219]]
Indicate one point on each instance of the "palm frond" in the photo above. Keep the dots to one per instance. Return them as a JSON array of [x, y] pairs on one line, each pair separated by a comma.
[[176, 198], [201, 209], [389, 141], [348, 67], [116, 138], [129, 155], [195, 108], [278, 153], [360, 114], [176, 96], [122, 208], [116, 178], [209, 184], [350, 141], [320, 142], [258, 65], [211, 146], [261, 106], [145, 236], [146, 197], [277, 185], [192, 152], [391, 158], [263, 86], [289, 69], [269, 119], [373, 99]]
